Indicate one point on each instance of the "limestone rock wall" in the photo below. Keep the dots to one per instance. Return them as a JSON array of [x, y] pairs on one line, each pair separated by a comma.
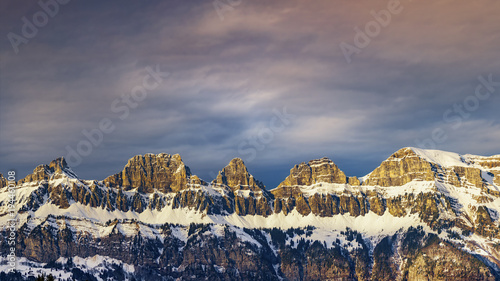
[[45, 172], [400, 168], [315, 171], [162, 172], [236, 176], [3, 181]]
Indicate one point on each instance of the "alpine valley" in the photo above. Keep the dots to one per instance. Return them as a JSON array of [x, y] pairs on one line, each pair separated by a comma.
[[420, 215]]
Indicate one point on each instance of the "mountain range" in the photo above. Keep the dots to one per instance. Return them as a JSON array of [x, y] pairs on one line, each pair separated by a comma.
[[420, 215]]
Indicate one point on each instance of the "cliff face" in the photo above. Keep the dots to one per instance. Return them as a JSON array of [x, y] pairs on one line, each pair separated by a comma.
[[55, 170], [400, 168], [289, 195], [236, 176], [3, 182], [162, 172], [492, 164], [407, 165], [315, 171], [248, 195]]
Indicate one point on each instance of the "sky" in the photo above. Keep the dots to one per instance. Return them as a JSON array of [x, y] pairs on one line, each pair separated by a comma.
[[275, 83]]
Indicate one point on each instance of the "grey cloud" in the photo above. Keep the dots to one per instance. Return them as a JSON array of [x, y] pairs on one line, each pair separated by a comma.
[[228, 76]]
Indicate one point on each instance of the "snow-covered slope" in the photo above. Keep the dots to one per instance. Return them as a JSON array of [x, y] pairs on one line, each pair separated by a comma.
[[451, 159]]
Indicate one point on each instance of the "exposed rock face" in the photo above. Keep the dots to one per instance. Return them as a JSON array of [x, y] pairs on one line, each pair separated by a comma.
[[354, 181], [162, 172], [39, 173], [3, 181], [377, 203], [325, 205], [248, 195], [462, 176], [426, 205], [54, 170], [315, 171], [492, 162], [200, 201], [400, 168], [195, 180], [58, 166], [236, 176], [292, 193], [406, 165]]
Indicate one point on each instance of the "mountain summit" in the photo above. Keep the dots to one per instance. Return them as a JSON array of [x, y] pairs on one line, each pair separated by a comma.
[[236, 176], [162, 172], [320, 170]]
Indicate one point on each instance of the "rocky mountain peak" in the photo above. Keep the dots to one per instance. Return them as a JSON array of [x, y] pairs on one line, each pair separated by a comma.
[[3, 181], [409, 164], [149, 172], [403, 152], [236, 176], [315, 171], [56, 169], [403, 166], [58, 165]]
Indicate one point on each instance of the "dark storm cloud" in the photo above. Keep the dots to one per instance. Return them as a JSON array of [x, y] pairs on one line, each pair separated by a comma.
[[228, 77]]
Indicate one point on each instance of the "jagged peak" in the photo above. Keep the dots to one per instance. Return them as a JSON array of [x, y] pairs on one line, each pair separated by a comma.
[[236, 176], [57, 168], [3, 181], [58, 165]]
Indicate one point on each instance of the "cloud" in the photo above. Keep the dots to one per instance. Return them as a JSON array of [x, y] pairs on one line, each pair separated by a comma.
[[228, 76]]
